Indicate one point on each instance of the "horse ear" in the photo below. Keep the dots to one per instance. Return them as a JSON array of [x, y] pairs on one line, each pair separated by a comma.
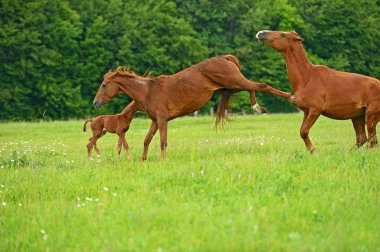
[[295, 36]]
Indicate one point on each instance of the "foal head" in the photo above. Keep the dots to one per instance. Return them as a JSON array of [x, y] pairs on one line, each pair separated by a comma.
[[111, 86], [280, 41]]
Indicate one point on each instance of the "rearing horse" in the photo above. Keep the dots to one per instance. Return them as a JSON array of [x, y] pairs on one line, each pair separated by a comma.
[[170, 96], [320, 90]]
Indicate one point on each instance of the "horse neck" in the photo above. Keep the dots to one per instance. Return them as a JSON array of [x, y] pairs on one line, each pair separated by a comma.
[[298, 65], [137, 88]]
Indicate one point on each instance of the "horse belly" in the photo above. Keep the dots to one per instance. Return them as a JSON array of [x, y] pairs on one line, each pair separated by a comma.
[[192, 105], [346, 107]]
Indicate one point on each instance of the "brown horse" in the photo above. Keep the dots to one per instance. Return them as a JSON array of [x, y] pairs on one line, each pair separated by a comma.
[[169, 96], [320, 90], [118, 124]]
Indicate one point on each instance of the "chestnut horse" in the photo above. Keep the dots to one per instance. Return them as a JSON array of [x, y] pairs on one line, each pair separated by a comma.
[[118, 124], [320, 90], [170, 96]]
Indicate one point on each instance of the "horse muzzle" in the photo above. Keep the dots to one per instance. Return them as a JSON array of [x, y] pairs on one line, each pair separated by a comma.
[[98, 103], [262, 36]]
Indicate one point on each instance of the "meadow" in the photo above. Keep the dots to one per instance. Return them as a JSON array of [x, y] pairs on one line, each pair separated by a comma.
[[250, 187]]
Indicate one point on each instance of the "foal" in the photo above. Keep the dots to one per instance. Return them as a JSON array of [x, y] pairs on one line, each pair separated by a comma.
[[118, 123]]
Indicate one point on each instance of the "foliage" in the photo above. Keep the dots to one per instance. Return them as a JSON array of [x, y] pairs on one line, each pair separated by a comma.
[[54, 53]]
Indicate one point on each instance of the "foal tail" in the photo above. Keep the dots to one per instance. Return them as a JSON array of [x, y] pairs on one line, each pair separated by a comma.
[[223, 105], [85, 124]]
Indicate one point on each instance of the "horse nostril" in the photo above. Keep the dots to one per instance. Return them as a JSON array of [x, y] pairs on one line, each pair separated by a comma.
[[96, 104]]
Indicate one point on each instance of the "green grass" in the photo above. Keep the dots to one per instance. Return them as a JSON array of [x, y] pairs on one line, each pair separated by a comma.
[[250, 187]]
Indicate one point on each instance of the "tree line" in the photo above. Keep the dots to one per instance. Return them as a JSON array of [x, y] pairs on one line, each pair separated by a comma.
[[54, 53]]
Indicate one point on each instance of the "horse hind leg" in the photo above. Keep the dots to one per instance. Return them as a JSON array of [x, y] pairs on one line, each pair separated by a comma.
[[371, 120], [359, 126]]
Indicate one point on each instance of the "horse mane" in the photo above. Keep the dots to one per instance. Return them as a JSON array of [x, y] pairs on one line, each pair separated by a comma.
[[127, 72]]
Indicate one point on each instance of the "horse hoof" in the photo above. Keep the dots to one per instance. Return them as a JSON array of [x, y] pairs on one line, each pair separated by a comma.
[[312, 151], [257, 108], [292, 99]]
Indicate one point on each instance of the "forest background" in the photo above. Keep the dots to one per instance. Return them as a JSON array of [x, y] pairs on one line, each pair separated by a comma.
[[54, 53]]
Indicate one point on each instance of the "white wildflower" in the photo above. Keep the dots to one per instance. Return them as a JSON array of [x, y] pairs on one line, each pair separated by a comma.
[[44, 235], [105, 189]]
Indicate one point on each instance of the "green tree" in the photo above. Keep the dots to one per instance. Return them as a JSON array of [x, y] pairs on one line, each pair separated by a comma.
[[39, 49], [345, 34]]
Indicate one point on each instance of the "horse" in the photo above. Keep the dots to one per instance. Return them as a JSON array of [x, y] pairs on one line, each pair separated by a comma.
[[166, 97], [320, 90], [118, 123]]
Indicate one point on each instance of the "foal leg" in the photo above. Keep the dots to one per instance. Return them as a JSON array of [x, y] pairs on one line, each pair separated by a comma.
[[308, 121], [359, 126], [152, 131], [95, 146], [119, 146], [90, 145]]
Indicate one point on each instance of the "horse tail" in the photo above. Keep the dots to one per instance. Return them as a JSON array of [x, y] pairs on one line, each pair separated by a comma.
[[85, 124], [233, 59], [223, 105]]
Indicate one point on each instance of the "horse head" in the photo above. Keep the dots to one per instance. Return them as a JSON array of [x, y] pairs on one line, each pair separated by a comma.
[[111, 86], [278, 40]]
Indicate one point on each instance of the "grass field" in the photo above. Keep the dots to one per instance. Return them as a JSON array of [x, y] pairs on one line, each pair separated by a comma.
[[250, 187]]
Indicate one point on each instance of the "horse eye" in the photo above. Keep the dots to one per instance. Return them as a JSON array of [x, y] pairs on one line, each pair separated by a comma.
[[103, 86]]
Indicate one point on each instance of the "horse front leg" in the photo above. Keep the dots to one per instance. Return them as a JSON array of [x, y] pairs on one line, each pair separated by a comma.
[[308, 121], [152, 131], [125, 144], [163, 127]]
